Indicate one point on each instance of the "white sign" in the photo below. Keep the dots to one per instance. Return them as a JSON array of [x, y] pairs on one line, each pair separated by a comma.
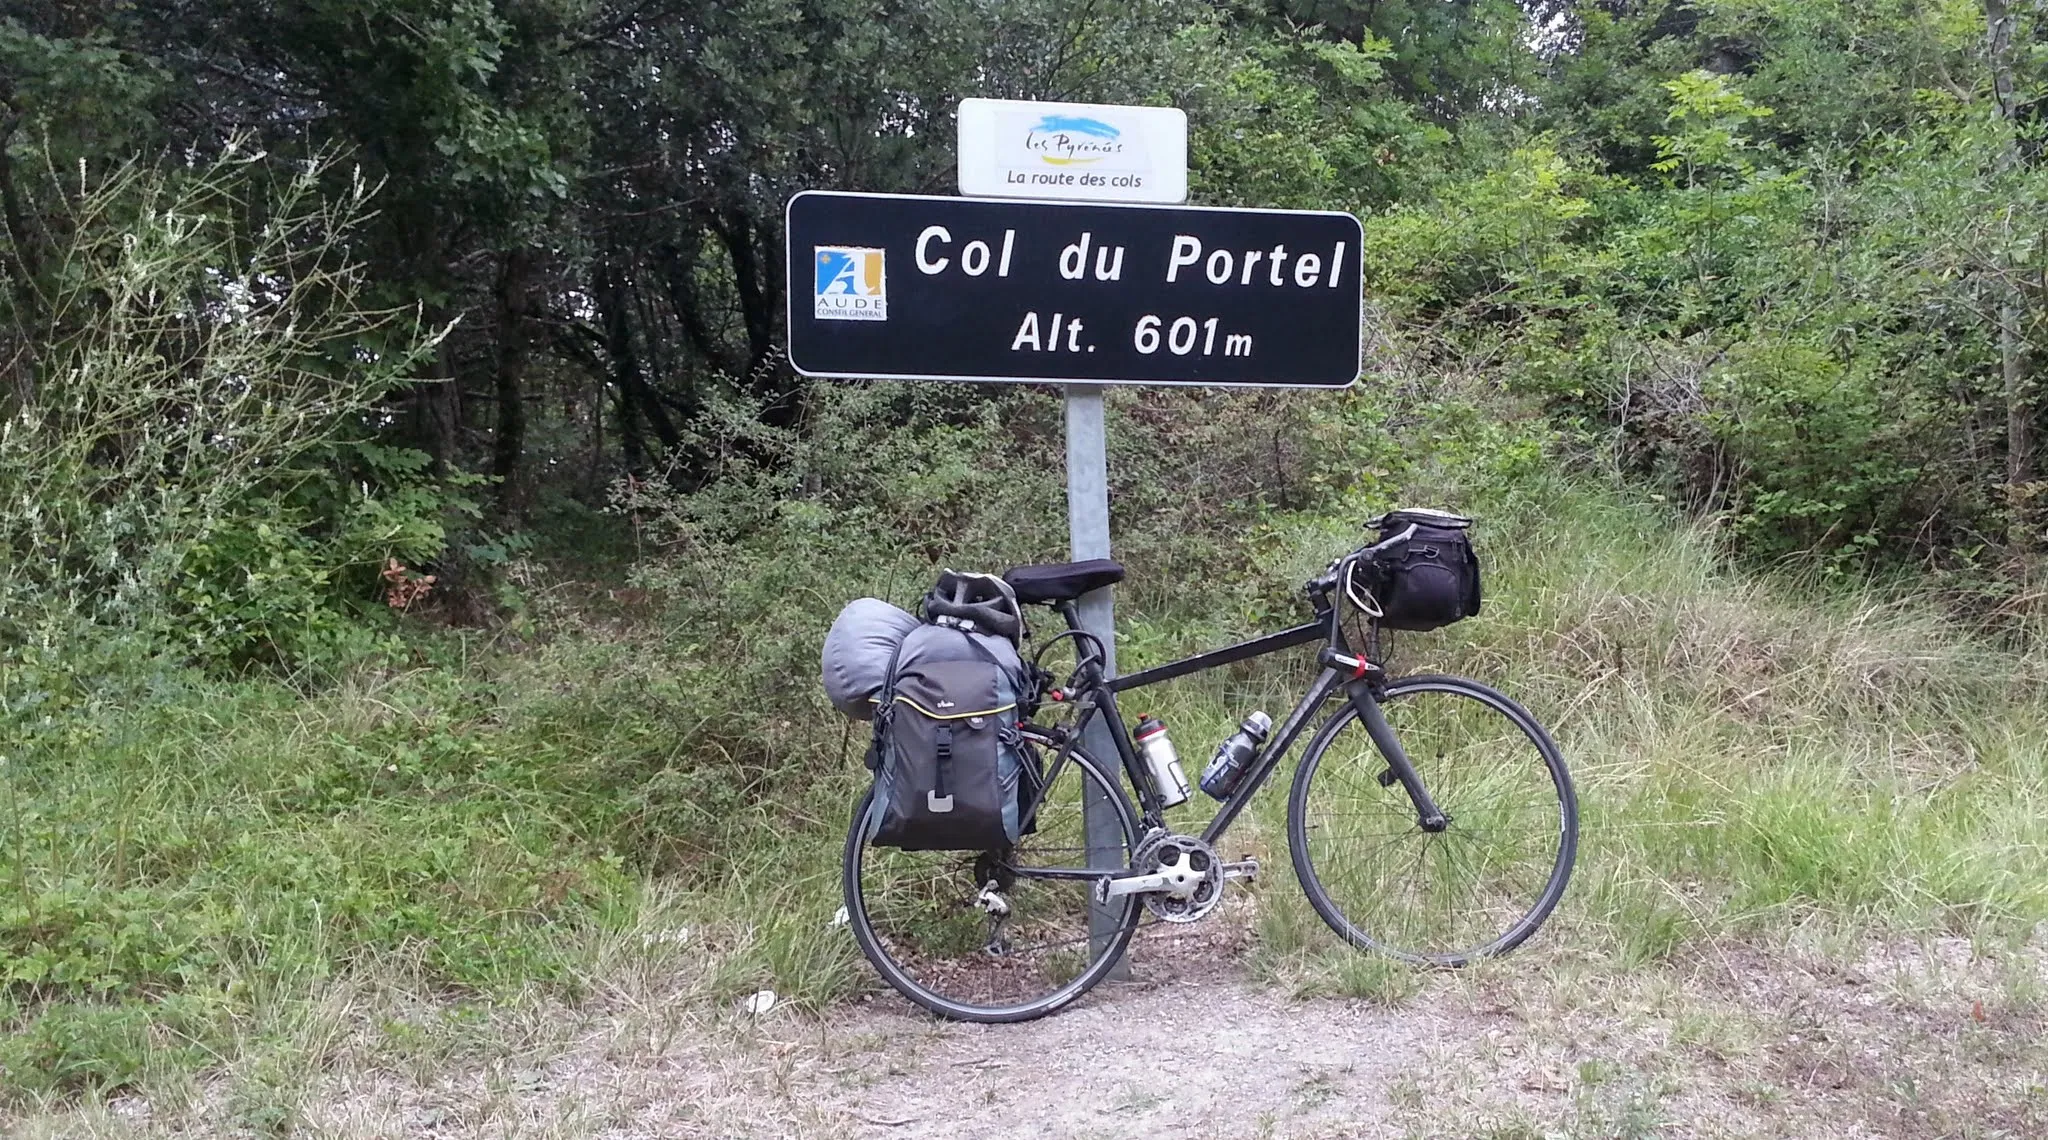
[[1085, 152]]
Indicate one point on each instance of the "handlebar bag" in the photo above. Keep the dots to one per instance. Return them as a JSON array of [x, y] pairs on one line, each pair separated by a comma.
[[1432, 579]]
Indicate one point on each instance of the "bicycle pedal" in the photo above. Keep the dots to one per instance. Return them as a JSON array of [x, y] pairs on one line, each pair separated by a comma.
[[1246, 868]]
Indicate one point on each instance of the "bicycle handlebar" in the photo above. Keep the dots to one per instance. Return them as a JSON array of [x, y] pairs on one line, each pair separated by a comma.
[[1335, 574]]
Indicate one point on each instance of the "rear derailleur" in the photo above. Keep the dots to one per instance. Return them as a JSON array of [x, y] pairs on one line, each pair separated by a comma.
[[996, 879]]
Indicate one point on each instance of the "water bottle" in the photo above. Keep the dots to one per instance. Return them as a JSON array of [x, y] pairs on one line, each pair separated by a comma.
[[1163, 761], [1235, 755]]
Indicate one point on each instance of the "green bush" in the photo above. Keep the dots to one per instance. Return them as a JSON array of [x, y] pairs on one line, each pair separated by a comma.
[[186, 470], [1801, 343]]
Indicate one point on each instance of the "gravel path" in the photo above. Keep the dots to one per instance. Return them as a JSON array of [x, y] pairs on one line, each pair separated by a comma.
[[1215, 1057], [1905, 1041], [1909, 1041]]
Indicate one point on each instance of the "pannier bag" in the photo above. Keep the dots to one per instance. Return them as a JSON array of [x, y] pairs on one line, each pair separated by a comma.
[[858, 652], [1431, 580], [949, 754]]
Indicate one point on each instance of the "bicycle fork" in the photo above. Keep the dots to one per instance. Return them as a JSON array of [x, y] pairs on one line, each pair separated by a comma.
[[1428, 816]]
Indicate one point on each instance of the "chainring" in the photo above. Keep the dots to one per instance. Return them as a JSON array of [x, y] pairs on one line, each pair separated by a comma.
[[1163, 851]]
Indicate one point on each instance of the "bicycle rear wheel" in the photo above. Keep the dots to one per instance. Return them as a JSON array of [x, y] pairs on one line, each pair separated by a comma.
[[1479, 887], [916, 917]]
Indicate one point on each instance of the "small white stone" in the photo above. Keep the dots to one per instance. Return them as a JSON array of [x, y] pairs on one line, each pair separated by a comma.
[[674, 936], [761, 1002]]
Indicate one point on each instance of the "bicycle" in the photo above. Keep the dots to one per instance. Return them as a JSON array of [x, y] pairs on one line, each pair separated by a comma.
[[1458, 802]]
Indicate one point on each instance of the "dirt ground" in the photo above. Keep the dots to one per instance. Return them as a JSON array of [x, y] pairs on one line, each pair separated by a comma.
[[1933, 1039], [1909, 1041]]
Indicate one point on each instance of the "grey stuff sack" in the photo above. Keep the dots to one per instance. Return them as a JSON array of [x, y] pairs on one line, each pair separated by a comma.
[[858, 651], [948, 749]]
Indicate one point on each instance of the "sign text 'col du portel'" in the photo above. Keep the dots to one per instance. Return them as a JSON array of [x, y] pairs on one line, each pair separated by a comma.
[[973, 289]]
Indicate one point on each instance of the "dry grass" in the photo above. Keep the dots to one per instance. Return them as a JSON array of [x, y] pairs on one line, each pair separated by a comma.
[[1815, 854], [1904, 1039]]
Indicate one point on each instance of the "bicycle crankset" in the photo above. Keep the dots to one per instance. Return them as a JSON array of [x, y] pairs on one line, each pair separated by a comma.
[[1179, 876]]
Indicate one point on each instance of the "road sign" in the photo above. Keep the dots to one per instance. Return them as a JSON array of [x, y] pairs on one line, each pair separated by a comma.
[[1073, 151], [901, 287]]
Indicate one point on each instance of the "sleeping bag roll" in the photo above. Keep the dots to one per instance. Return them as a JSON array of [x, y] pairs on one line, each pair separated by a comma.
[[858, 653]]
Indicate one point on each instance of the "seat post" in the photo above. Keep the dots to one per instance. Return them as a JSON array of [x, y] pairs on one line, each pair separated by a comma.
[[1068, 610]]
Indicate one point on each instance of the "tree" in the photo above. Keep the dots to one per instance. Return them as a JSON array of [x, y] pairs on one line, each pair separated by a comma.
[[2015, 355]]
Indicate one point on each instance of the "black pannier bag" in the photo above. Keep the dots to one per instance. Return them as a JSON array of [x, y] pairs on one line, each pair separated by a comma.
[[950, 758], [1431, 580]]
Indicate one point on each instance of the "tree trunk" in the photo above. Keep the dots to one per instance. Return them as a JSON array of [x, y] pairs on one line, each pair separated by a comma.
[[2016, 376], [636, 400], [437, 410], [758, 281], [24, 242], [515, 310], [678, 270], [593, 479]]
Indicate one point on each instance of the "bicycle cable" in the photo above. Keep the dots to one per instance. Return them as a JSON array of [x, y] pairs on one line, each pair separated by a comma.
[[1100, 654], [1367, 605]]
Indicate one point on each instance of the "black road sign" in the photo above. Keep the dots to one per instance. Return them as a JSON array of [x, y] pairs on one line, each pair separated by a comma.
[[903, 287]]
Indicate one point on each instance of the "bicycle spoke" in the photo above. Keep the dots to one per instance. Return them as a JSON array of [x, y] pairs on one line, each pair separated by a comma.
[[923, 924], [1475, 887]]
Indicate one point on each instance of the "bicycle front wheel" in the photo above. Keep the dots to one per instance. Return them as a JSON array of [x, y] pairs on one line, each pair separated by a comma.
[[1481, 885], [923, 921]]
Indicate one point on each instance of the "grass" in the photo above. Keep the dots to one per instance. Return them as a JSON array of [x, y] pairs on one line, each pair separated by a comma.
[[232, 884], [1752, 757], [1727, 1039], [185, 891]]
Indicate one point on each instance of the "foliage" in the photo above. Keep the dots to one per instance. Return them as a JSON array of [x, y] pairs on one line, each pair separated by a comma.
[[1445, 59], [1689, 225], [1786, 315], [596, 187], [1305, 122], [187, 465]]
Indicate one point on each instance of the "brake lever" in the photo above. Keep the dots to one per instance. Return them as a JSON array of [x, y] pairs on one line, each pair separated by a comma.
[[1367, 605]]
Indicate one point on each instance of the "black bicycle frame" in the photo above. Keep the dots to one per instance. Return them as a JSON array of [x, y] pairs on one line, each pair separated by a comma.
[[1358, 677]]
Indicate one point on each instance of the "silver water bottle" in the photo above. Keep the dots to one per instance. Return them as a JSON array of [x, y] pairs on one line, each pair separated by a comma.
[[1235, 755], [1162, 760]]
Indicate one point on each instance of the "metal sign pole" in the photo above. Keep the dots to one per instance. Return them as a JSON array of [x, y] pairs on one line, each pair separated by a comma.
[[1088, 533]]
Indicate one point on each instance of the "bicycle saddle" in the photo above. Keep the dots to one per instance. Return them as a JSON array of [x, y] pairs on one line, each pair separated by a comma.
[[1052, 582]]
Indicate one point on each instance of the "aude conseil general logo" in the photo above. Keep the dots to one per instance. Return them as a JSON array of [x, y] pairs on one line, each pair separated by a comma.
[[1073, 140], [851, 284]]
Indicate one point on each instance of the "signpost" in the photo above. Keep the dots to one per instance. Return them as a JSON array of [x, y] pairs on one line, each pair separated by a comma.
[[1082, 152], [977, 289], [1081, 295]]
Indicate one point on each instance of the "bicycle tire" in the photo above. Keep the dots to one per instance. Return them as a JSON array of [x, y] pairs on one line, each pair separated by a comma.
[[1481, 794], [900, 975]]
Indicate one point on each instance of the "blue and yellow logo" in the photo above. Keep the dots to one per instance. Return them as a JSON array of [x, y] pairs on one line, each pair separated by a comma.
[[850, 284], [1073, 140]]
